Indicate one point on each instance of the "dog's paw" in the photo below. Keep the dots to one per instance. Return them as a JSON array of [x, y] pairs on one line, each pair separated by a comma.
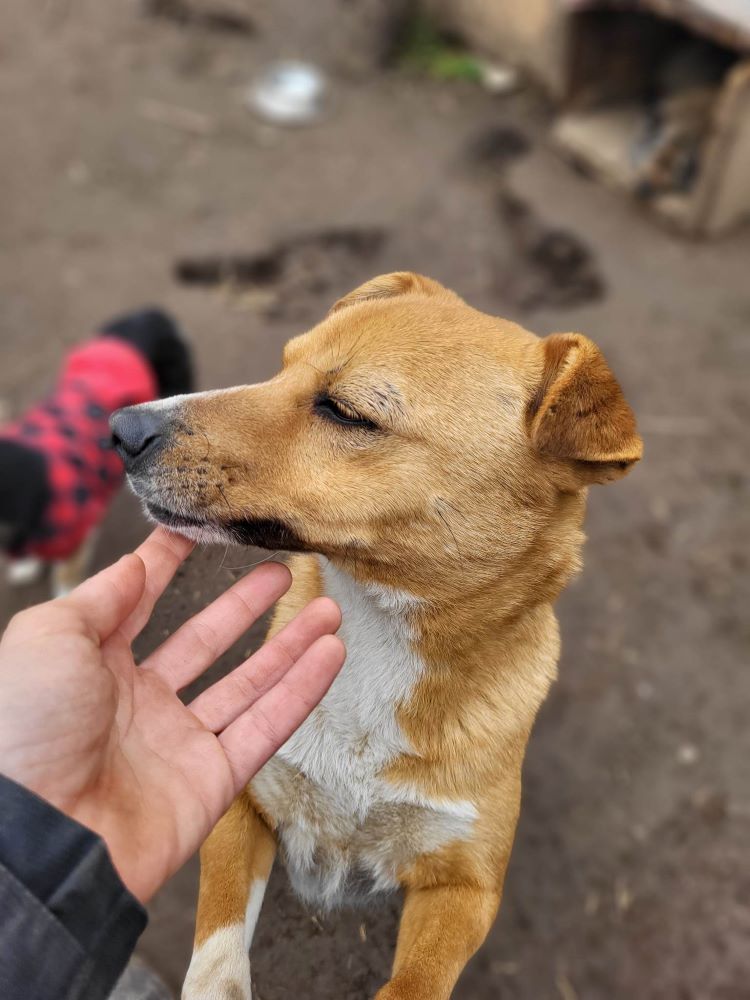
[[24, 572], [219, 969], [219, 988]]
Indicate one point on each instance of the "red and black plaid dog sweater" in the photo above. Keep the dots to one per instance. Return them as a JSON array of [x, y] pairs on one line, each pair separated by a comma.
[[58, 470]]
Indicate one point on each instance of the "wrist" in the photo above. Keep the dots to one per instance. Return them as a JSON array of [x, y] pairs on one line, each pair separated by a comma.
[[132, 859], [63, 884]]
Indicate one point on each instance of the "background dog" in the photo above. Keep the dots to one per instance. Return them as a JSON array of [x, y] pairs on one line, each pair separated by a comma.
[[58, 470]]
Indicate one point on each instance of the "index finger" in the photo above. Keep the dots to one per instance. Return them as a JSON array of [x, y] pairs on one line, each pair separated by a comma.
[[162, 554]]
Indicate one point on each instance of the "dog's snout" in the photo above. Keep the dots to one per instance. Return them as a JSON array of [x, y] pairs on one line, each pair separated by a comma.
[[137, 432]]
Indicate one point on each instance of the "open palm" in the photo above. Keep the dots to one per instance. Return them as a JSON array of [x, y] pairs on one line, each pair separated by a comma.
[[111, 744]]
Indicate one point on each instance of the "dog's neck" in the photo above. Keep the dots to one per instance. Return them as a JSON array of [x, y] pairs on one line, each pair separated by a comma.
[[343, 584], [381, 671], [396, 640], [398, 645], [463, 608]]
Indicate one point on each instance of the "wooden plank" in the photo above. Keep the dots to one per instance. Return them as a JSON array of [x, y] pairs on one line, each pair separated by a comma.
[[726, 22], [723, 194]]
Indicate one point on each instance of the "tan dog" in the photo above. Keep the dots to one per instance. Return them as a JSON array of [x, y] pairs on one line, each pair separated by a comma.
[[430, 462]]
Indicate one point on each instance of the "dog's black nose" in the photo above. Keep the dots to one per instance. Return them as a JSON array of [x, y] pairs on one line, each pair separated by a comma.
[[136, 432]]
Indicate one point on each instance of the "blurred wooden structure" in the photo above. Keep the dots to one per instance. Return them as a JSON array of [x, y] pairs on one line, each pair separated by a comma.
[[600, 60]]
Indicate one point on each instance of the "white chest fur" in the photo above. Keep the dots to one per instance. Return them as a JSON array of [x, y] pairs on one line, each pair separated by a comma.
[[343, 828], [354, 733]]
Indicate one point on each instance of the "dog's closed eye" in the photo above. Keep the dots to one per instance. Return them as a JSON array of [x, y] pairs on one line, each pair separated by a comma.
[[342, 413]]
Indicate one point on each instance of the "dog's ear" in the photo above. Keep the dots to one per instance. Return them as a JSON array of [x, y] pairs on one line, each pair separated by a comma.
[[389, 286], [579, 416]]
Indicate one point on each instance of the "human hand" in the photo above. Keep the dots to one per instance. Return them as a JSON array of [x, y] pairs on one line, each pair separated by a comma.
[[110, 743]]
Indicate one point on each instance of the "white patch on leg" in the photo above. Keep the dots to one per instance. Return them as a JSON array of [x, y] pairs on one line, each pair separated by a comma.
[[254, 903], [68, 573], [220, 968]]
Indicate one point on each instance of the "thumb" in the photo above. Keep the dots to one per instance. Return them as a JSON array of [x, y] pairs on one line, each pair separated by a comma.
[[105, 601]]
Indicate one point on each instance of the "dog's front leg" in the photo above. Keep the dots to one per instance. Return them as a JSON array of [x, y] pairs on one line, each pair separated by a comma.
[[441, 928], [236, 861], [452, 898]]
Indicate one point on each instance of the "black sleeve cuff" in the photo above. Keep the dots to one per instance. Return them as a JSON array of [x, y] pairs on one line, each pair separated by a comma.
[[67, 923]]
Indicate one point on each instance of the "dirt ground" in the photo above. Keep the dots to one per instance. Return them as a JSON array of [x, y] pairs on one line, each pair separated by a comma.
[[630, 876]]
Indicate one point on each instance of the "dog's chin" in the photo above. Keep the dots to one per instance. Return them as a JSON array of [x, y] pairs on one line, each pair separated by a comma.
[[264, 533], [194, 528]]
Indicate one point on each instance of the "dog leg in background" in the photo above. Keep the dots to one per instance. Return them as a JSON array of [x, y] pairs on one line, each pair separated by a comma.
[[236, 861], [68, 573]]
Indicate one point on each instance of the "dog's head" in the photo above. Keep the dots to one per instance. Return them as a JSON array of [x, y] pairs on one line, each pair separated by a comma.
[[407, 432]]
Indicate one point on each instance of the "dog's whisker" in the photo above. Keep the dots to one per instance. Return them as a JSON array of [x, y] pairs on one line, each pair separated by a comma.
[[447, 503], [223, 558], [208, 444], [314, 367], [258, 562], [440, 514], [354, 349], [224, 498]]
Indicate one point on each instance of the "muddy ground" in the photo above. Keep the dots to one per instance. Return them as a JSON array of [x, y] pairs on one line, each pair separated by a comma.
[[630, 876]]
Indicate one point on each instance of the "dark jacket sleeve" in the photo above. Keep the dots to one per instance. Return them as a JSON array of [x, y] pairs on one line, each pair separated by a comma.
[[67, 923]]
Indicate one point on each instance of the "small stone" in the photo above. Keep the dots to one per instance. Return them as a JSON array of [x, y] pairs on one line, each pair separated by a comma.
[[498, 78], [78, 173], [72, 277], [688, 754], [564, 986], [591, 903], [615, 602], [446, 102], [711, 804], [660, 509], [623, 895], [289, 93], [644, 690], [640, 833], [630, 656], [506, 968]]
